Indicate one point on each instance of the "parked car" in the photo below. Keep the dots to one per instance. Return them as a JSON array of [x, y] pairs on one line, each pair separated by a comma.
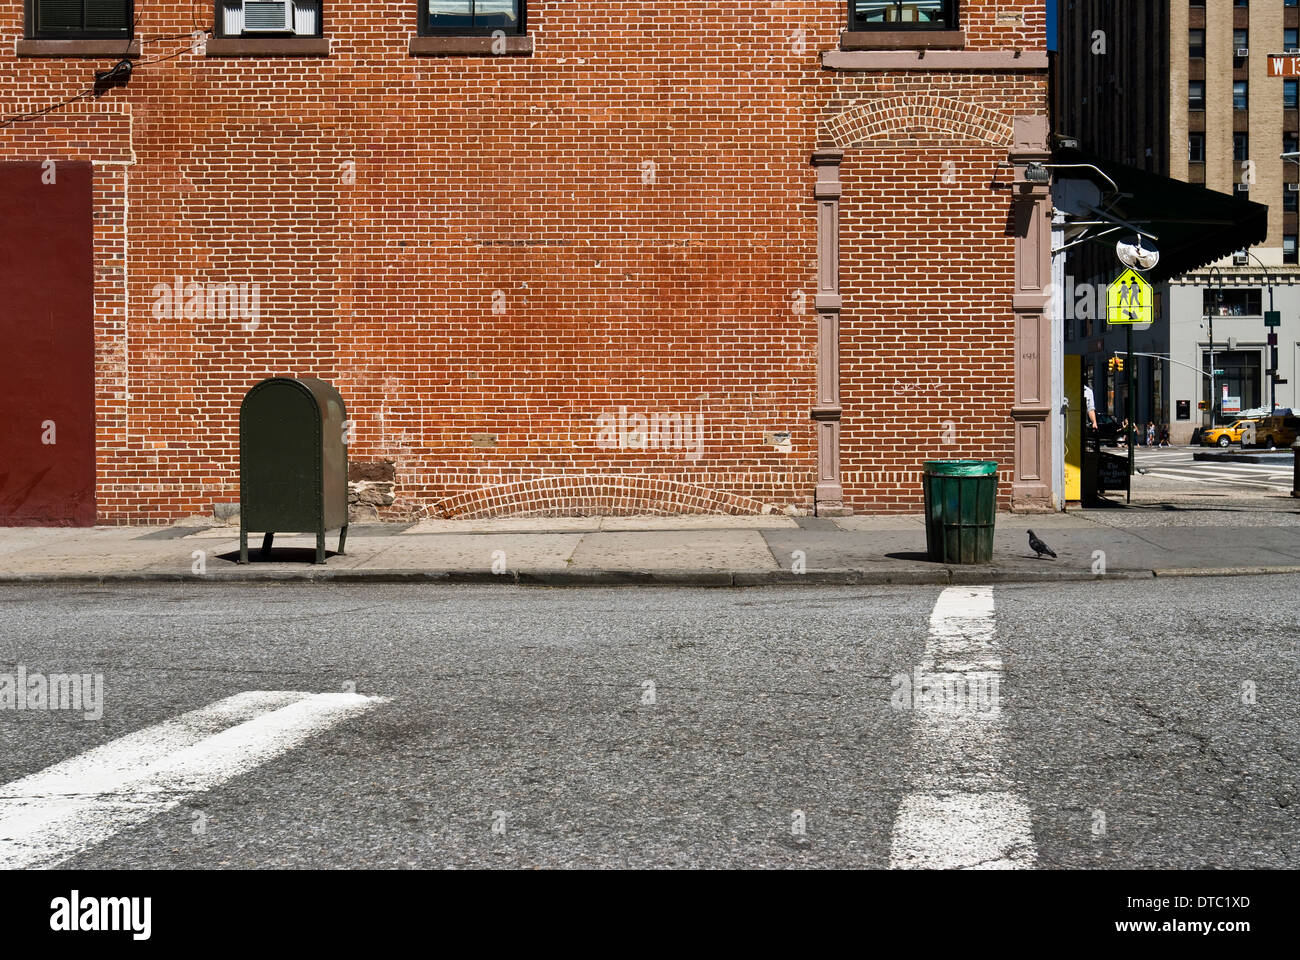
[[1108, 430], [1226, 436], [1277, 431]]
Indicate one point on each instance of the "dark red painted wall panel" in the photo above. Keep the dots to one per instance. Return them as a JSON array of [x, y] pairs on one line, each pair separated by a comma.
[[47, 388]]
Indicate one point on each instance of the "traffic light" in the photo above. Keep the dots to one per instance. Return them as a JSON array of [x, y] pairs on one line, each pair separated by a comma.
[[1202, 405], [1110, 364], [1119, 364]]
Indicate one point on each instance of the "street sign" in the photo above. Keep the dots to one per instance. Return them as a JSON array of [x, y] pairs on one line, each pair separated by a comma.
[[1272, 318], [1280, 65], [1128, 299], [1219, 373]]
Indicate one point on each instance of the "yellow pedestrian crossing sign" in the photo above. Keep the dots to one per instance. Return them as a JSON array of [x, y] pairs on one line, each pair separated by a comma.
[[1129, 299]]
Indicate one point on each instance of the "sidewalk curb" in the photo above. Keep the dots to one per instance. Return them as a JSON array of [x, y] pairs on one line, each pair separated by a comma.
[[943, 576]]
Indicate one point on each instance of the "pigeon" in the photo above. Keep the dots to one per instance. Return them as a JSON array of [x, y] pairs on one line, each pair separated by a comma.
[[1039, 547]]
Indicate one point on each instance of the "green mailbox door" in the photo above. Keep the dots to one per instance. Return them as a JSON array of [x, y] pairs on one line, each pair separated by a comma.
[[293, 462]]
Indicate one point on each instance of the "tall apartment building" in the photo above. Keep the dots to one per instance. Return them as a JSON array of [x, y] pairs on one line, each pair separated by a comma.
[[1183, 89]]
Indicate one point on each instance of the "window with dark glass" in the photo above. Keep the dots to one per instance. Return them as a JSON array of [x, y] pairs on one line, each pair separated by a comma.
[[1239, 98], [1196, 148], [1241, 302], [1290, 143], [1196, 44], [1290, 93], [268, 18], [1240, 147], [79, 19], [471, 17], [1290, 39], [1289, 200], [1196, 95], [1288, 248], [1240, 41], [891, 15]]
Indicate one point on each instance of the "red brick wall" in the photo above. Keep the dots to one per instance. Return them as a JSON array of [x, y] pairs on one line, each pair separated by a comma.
[[927, 272], [474, 175]]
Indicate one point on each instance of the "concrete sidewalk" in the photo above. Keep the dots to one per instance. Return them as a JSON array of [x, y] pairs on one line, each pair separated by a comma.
[[1162, 535]]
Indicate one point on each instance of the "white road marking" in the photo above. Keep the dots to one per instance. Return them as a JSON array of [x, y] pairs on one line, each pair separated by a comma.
[[64, 809], [962, 813]]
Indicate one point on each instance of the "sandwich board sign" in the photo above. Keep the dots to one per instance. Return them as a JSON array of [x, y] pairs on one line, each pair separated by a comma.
[[1129, 299]]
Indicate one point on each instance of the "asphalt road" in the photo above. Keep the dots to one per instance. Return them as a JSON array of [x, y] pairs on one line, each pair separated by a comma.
[[517, 728]]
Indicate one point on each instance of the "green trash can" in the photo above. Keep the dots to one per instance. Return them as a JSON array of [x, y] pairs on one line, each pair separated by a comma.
[[961, 498]]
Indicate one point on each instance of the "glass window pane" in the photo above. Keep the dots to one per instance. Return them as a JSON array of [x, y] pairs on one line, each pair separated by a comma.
[[451, 13], [1239, 95], [1289, 92]]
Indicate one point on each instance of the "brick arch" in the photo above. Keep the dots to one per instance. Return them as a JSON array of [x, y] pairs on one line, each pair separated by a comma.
[[582, 496], [903, 117]]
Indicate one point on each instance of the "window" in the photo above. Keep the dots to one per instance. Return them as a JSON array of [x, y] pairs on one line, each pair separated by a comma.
[[1288, 249], [1289, 200], [1290, 143], [79, 19], [1247, 302], [1196, 148], [472, 17], [898, 15], [1196, 44], [1239, 95], [1196, 95], [1290, 39], [1240, 41], [1240, 147], [1289, 94], [268, 18]]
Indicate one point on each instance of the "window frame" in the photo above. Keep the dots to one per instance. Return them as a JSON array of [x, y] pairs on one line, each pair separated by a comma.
[[1293, 85], [424, 29], [1245, 94], [1195, 137], [951, 19], [31, 31], [1196, 51], [1191, 104]]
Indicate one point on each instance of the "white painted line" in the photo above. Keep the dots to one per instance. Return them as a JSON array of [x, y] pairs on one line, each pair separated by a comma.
[[962, 812], [66, 808], [962, 831]]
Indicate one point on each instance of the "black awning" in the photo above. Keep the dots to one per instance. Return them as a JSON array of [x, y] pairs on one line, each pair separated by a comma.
[[1195, 226]]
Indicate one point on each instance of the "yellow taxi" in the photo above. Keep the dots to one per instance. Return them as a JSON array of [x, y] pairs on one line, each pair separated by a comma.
[[1226, 436], [1277, 431]]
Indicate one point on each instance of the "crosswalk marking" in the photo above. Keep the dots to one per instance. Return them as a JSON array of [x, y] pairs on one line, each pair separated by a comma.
[[961, 813], [57, 812]]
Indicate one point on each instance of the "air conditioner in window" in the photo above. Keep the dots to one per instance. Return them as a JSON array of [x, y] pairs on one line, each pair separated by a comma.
[[1243, 52], [1291, 50], [1293, 188], [1243, 188], [1239, 259], [268, 16]]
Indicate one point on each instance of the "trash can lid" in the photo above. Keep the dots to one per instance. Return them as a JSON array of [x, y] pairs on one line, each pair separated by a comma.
[[960, 468]]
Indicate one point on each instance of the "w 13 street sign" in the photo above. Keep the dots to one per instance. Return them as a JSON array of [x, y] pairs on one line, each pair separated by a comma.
[[1129, 299]]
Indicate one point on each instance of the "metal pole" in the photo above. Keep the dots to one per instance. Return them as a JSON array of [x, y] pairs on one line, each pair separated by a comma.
[[1132, 410]]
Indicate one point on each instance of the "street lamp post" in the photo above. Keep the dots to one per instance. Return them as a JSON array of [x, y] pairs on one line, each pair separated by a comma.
[[1272, 372], [1217, 276]]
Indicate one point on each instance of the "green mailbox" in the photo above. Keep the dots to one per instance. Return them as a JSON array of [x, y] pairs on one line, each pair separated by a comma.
[[293, 462]]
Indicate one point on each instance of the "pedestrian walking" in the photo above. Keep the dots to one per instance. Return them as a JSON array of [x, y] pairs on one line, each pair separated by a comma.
[[1151, 434]]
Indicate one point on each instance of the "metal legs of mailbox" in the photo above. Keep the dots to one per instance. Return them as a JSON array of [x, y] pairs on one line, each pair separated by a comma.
[[269, 536]]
